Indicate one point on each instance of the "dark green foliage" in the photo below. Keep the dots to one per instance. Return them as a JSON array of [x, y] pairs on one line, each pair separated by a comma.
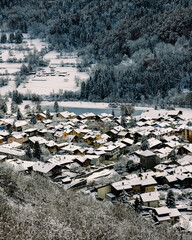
[[56, 107], [113, 113], [13, 107], [137, 205], [33, 119], [17, 97], [48, 115], [3, 38], [37, 151], [19, 115], [18, 36], [3, 105], [170, 200], [142, 47], [144, 143], [24, 70], [28, 151], [11, 37]]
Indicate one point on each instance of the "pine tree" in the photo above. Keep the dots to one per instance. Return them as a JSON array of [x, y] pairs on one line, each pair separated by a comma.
[[18, 36], [19, 114], [170, 201], [38, 107], [3, 38], [113, 112], [48, 115], [56, 107], [144, 143], [33, 119], [11, 37], [37, 151], [137, 205], [14, 107], [28, 152]]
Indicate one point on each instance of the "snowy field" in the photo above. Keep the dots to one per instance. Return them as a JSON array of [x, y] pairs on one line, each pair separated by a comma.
[[60, 75]]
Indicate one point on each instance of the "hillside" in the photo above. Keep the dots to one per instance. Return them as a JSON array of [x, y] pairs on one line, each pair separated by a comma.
[[141, 48], [31, 207]]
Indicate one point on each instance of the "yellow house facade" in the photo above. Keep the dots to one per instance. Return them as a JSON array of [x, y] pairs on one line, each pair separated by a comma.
[[102, 191]]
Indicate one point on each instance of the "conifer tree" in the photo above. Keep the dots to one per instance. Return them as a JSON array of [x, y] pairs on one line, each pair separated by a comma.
[[37, 150], [56, 107], [170, 201], [19, 114], [28, 152], [33, 119], [137, 205], [48, 115], [144, 143]]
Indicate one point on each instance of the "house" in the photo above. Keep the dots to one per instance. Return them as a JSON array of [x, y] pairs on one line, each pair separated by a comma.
[[40, 140], [187, 134], [19, 124], [103, 190], [31, 132], [67, 115], [41, 116], [47, 169], [12, 152], [150, 199], [165, 214], [118, 187], [148, 159], [18, 137], [20, 165], [52, 146], [148, 184]]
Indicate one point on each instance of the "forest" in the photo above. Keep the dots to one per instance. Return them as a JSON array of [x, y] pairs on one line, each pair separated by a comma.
[[140, 49]]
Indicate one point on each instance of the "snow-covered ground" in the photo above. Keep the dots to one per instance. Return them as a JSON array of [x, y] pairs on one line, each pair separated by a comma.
[[60, 75]]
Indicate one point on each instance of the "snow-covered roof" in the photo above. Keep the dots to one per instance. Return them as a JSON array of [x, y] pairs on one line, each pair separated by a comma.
[[162, 210], [43, 167], [125, 184], [150, 196]]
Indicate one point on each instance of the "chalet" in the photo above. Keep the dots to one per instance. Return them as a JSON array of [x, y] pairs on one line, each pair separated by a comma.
[[58, 135], [148, 184], [19, 124], [113, 134], [40, 140], [12, 152], [111, 151], [51, 145], [20, 165], [187, 134], [83, 161], [31, 132], [1, 139], [164, 214], [118, 187], [103, 190], [41, 116], [185, 180], [150, 199], [148, 159], [5, 134], [171, 180], [67, 115], [47, 169], [16, 137], [89, 139], [185, 149]]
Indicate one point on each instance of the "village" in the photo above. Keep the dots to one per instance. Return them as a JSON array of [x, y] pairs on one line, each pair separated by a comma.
[[138, 164]]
